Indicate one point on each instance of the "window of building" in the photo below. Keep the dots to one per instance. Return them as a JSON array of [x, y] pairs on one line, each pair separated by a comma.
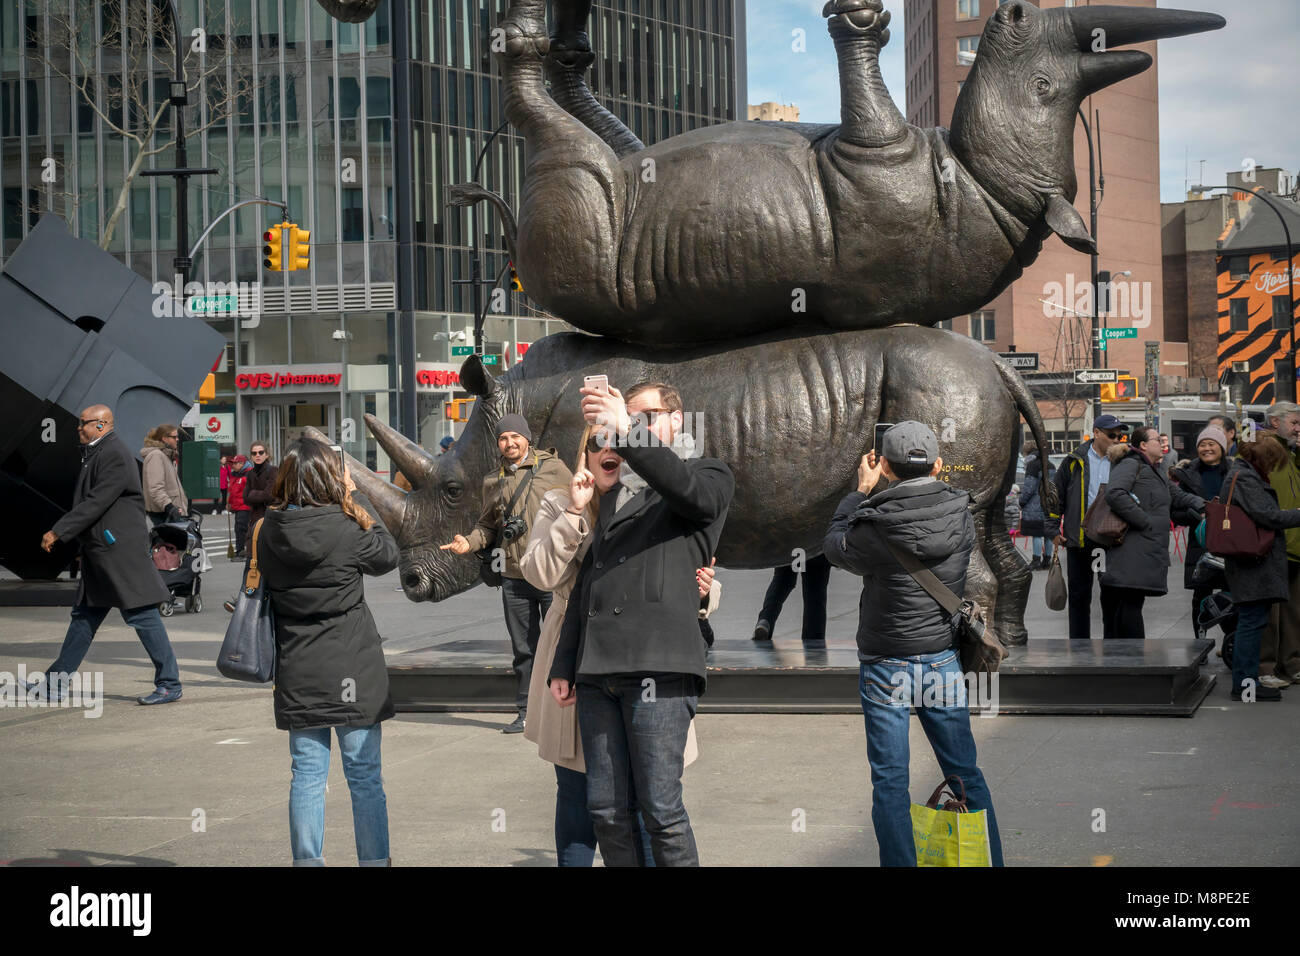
[[968, 9], [982, 326], [1238, 317], [1281, 313], [966, 49], [1239, 267], [944, 324]]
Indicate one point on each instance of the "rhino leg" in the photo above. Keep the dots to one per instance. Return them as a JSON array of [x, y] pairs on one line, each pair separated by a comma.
[[981, 581], [566, 66], [1013, 578], [868, 116]]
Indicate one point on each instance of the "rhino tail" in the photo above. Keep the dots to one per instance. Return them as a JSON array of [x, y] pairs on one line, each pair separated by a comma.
[[467, 194], [1028, 409]]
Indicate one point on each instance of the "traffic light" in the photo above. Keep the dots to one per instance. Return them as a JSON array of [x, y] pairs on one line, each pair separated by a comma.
[[1125, 390], [515, 284], [299, 248], [271, 252], [458, 409]]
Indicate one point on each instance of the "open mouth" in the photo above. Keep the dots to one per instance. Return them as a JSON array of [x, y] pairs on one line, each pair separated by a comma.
[[609, 465]]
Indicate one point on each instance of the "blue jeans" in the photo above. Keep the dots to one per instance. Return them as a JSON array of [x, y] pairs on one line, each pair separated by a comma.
[[635, 740], [1252, 618], [148, 627], [310, 750], [887, 690], [575, 834]]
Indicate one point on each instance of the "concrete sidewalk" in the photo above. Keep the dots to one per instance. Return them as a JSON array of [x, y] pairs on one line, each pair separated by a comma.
[[206, 781]]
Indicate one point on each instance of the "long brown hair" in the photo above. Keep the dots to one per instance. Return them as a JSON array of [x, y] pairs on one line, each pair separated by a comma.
[[310, 477], [1266, 454]]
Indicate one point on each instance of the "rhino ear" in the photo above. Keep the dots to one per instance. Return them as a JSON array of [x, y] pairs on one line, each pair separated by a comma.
[[1064, 220], [476, 379]]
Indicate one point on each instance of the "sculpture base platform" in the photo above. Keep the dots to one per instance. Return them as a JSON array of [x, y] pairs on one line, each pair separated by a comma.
[[38, 593], [1161, 678]]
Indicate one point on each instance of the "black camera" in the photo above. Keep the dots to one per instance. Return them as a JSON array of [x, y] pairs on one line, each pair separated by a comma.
[[515, 527]]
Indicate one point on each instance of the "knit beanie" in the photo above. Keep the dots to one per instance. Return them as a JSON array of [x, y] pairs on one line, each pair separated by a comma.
[[1215, 433], [514, 423]]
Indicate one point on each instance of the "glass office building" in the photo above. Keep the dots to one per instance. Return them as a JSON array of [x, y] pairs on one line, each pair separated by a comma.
[[360, 128]]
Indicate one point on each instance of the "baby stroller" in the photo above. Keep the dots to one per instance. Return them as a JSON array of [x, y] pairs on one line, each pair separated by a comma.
[[1218, 610], [177, 551]]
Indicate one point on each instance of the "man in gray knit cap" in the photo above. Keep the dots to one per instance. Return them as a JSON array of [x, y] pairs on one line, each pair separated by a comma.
[[511, 496]]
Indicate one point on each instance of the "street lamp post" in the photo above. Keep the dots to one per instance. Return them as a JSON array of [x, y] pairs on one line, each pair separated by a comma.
[[182, 173], [1096, 190], [1290, 270]]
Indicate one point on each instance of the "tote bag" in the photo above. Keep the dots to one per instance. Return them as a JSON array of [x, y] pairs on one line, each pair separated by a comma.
[[248, 651]]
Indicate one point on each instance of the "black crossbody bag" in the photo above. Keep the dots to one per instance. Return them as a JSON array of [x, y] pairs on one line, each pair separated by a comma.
[[979, 647], [488, 574]]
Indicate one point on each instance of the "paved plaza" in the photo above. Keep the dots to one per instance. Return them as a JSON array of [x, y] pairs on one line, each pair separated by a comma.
[[206, 781]]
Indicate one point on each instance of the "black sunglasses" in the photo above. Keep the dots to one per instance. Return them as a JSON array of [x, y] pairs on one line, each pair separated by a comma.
[[89, 421], [596, 443]]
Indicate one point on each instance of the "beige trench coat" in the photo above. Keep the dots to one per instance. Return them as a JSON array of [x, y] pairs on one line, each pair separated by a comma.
[[557, 544]]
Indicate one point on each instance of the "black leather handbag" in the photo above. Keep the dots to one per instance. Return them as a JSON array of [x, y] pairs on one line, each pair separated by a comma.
[[248, 651]]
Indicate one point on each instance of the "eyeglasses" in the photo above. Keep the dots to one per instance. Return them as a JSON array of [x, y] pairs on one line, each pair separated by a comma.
[[652, 413], [1111, 435], [257, 454], [89, 421]]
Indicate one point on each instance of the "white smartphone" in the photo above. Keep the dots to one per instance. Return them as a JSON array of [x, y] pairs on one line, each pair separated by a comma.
[[599, 382], [338, 450]]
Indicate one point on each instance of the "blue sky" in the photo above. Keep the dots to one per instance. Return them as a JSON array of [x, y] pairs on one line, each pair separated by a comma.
[[1225, 97]]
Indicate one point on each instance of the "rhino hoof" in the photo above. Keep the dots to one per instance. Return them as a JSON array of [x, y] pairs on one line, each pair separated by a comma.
[[520, 43], [858, 17]]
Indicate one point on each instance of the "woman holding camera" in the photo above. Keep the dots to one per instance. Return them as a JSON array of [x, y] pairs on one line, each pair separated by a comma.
[[319, 537], [556, 546]]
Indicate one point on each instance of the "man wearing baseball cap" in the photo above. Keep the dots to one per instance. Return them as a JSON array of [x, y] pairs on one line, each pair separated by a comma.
[[907, 645], [1078, 481]]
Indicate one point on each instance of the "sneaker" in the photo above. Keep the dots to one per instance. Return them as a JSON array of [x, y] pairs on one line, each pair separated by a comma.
[[762, 631], [160, 696], [1268, 680], [1261, 693], [515, 728]]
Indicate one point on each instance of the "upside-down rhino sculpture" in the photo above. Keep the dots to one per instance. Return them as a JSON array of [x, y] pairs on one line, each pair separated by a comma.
[[791, 415], [745, 227]]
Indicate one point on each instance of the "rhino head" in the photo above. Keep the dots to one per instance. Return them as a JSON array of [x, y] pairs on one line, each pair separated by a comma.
[[1013, 126], [446, 496]]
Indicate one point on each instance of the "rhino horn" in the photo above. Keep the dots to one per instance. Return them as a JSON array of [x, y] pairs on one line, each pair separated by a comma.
[[388, 499], [476, 379], [1120, 26], [411, 459]]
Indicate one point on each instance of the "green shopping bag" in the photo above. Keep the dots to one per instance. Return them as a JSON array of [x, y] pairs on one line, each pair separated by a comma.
[[950, 835]]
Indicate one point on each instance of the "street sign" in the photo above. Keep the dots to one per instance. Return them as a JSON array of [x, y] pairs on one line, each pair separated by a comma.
[[1119, 333], [200, 304], [1096, 376], [462, 350], [1024, 361], [491, 359]]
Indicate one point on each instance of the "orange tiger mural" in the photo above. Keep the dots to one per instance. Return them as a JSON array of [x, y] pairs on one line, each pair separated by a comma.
[[1254, 324]]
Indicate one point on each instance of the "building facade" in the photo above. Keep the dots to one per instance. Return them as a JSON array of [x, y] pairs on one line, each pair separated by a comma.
[[360, 129], [1047, 310]]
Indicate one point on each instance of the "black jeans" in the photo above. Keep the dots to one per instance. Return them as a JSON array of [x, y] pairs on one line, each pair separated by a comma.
[[1124, 620], [634, 730], [525, 606], [1198, 595], [241, 529], [816, 578], [1078, 582]]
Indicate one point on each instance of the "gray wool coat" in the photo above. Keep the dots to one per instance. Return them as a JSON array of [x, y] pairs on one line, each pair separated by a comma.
[[1141, 561], [1258, 579]]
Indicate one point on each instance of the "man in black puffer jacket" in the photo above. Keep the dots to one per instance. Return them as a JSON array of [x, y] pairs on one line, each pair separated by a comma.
[[906, 644]]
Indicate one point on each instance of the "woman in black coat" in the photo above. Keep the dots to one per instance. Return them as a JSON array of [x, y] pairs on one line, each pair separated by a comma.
[[1139, 492], [1257, 583], [318, 538], [1033, 523], [1202, 477]]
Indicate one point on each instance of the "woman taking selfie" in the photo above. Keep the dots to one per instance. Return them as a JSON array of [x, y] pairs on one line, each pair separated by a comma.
[[557, 544], [319, 536]]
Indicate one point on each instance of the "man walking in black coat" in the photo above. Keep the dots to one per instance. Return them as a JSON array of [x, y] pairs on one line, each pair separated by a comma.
[[108, 521], [630, 640]]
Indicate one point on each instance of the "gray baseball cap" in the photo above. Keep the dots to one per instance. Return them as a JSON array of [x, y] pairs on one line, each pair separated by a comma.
[[910, 443]]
